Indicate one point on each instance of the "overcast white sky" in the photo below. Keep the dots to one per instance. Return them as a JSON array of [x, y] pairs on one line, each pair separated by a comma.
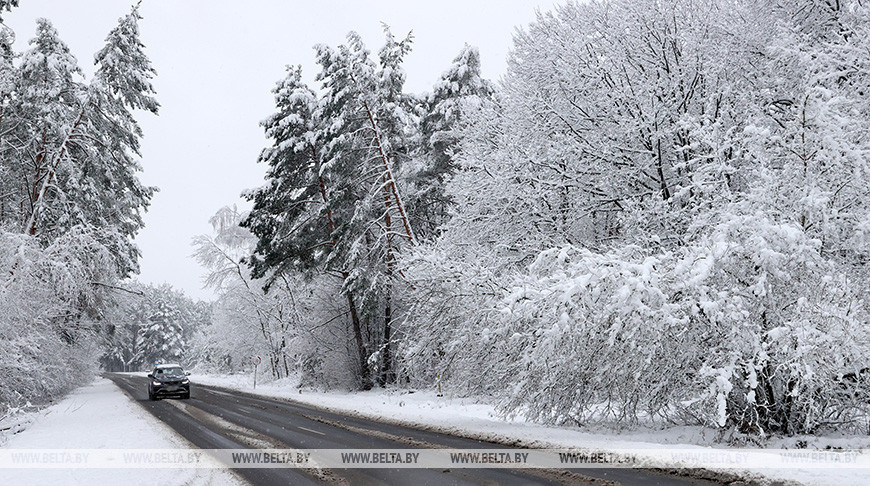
[[217, 62]]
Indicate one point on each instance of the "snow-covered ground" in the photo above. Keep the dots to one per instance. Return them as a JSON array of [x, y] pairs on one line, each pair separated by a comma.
[[466, 417], [101, 416]]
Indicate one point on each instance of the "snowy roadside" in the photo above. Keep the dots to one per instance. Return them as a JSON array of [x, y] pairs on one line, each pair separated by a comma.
[[101, 416], [464, 417]]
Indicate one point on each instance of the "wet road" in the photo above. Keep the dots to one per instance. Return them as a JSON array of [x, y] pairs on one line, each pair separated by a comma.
[[214, 418]]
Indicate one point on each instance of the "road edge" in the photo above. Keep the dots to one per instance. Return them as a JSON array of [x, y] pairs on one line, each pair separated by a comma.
[[723, 477]]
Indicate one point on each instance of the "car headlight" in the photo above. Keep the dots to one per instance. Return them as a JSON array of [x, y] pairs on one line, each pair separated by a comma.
[[156, 383]]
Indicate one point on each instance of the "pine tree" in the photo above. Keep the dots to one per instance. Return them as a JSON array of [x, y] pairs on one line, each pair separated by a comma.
[[289, 214], [125, 70], [461, 88], [121, 85], [52, 103], [8, 124], [367, 139], [164, 332], [392, 125], [85, 138], [333, 203], [293, 215]]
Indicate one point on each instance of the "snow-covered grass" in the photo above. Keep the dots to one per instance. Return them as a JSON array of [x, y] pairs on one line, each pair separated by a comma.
[[471, 418], [101, 416]]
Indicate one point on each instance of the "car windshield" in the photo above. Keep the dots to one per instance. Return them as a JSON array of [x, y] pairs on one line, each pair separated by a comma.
[[170, 372]]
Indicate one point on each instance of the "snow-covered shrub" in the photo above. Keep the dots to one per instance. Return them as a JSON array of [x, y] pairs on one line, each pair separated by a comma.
[[781, 325], [450, 303], [592, 336], [748, 327], [48, 299]]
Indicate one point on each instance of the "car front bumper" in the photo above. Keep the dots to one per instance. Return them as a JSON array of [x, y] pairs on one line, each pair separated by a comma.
[[170, 389]]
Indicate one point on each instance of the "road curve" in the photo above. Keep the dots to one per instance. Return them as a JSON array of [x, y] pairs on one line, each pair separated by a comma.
[[214, 418]]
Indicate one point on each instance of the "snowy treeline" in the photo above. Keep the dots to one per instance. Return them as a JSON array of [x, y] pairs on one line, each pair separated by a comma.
[[148, 324], [70, 201], [662, 212]]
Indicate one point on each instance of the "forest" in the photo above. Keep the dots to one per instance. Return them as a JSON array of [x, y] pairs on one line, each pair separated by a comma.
[[659, 214]]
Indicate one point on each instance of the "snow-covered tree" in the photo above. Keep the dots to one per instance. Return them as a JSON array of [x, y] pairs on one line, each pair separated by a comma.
[[461, 88], [333, 203], [70, 200], [151, 324], [73, 157], [164, 330], [125, 71], [120, 86], [8, 81], [663, 214], [270, 321], [52, 102], [7, 5]]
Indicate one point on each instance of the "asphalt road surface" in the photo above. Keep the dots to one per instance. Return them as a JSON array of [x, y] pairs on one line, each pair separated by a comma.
[[215, 418]]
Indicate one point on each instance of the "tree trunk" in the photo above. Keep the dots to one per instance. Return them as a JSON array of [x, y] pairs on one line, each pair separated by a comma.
[[48, 178], [388, 372], [666, 192], [389, 181], [364, 375]]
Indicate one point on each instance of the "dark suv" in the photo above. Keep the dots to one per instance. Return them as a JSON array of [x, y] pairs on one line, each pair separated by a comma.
[[168, 380]]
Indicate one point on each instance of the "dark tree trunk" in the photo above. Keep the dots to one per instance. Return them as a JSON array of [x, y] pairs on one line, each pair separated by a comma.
[[364, 375], [388, 373]]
